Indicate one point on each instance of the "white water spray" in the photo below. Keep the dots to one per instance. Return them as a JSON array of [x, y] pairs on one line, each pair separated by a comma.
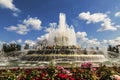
[[63, 35]]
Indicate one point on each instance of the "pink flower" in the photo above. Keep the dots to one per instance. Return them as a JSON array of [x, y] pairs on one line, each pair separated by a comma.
[[117, 77], [86, 65], [60, 68], [94, 69], [66, 71]]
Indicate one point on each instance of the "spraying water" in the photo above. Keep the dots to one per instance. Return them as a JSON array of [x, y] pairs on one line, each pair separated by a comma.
[[63, 35]]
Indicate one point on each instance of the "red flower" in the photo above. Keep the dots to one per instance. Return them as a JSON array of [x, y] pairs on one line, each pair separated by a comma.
[[28, 71], [42, 75], [62, 76]]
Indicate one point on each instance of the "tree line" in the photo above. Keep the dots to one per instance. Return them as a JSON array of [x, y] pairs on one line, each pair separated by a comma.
[[113, 48], [13, 47]]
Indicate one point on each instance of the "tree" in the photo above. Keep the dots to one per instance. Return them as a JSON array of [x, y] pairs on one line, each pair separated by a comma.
[[11, 47], [26, 46], [110, 48], [97, 48], [18, 47], [4, 48]]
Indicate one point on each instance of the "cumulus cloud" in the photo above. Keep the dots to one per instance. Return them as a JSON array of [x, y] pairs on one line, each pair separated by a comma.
[[9, 5], [51, 27], [106, 23], [15, 41], [11, 28], [92, 18], [117, 14], [26, 26], [81, 35], [20, 29], [83, 40], [43, 37], [15, 14], [2, 42], [19, 41], [35, 23], [30, 42], [12, 42], [94, 42], [113, 42]]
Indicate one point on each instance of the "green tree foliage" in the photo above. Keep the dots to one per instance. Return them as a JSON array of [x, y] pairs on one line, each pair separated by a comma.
[[113, 48], [11, 47], [26, 46]]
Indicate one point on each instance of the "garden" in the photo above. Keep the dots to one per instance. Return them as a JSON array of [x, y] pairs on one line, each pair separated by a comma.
[[84, 71]]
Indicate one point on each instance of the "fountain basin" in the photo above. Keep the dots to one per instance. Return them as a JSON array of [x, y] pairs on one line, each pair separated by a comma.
[[65, 58]]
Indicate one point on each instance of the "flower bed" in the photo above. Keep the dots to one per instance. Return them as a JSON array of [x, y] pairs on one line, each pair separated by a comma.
[[84, 72]]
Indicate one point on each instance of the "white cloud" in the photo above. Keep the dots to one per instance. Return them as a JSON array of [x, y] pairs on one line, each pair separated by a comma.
[[26, 26], [15, 41], [92, 18], [112, 42], [20, 29], [106, 23], [9, 5], [15, 14], [19, 40], [52, 26], [11, 28], [83, 40], [81, 34], [93, 42], [35, 23], [30, 42], [117, 14], [43, 37], [2, 42], [117, 26], [12, 42]]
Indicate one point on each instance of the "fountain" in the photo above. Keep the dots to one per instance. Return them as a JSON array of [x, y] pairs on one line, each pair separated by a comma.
[[61, 46], [3, 60], [63, 35]]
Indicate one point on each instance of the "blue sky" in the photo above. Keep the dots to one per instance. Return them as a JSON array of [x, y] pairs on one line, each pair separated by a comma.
[[96, 21]]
